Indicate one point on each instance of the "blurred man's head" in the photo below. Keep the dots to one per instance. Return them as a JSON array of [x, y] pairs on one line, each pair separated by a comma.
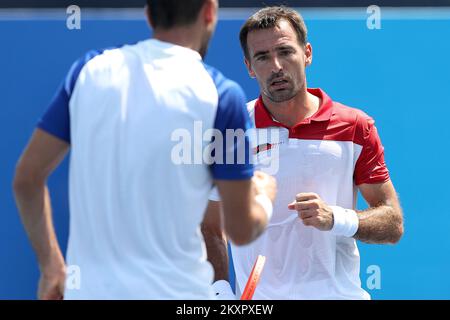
[[274, 41], [200, 15]]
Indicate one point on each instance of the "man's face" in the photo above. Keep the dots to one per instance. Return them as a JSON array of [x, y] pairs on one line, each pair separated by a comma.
[[278, 61]]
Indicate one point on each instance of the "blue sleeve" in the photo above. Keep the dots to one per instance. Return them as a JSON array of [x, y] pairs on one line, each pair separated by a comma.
[[56, 119], [232, 114]]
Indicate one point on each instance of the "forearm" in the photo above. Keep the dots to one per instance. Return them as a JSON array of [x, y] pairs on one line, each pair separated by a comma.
[[247, 229], [247, 206], [380, 225], [216, 248], [33, 202]]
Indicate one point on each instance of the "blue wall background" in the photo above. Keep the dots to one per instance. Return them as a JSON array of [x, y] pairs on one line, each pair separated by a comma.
[[400, 75]]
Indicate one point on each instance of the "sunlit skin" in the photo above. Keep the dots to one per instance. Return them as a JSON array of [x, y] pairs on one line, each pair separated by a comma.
[[278, 61]]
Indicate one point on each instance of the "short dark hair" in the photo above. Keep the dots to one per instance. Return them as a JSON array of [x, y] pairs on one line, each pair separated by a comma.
[[270, 17], [166, 14]]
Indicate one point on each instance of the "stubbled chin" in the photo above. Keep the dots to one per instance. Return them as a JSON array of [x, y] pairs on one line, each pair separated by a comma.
[[281, 96]]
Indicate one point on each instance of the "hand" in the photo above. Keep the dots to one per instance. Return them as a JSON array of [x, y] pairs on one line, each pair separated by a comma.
[[313, 211], [51, 283], [265, 184]]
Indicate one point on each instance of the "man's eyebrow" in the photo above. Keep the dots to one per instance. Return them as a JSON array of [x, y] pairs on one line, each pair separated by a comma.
[[260, 53], [284, 47]]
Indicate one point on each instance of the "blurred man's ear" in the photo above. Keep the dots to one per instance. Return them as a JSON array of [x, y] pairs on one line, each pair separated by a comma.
[[251, 73], [308, 54], [209, 11], [149, 17]]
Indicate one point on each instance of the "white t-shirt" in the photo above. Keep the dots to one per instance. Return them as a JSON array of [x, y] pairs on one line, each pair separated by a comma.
[[136, 202]]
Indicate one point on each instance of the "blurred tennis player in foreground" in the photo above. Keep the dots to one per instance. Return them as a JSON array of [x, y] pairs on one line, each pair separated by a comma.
[[135, 213], [326, 153]]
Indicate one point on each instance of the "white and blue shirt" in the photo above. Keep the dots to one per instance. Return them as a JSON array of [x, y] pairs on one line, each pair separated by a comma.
[[134, 212]]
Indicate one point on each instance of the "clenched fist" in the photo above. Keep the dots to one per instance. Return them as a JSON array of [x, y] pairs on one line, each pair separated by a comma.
[[313, 211], [265, 184]]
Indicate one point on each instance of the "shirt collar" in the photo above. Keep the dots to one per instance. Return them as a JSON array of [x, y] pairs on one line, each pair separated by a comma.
[[264, 119]]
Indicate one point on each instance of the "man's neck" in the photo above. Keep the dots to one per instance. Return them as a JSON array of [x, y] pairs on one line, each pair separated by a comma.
[[179, 36], [294, 111]]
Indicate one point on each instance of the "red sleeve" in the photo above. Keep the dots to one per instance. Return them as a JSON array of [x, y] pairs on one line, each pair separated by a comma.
[[370, 167]]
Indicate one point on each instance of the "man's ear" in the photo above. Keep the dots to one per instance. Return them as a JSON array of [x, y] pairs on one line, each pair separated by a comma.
[[308, 54], [209, 11], [149, 17], [251, 73]]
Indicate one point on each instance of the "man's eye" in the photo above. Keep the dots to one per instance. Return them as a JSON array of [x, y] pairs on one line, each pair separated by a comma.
[[261, 58], [285, 52]]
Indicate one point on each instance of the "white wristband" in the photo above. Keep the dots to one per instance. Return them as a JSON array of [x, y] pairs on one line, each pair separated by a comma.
[[266, 203], [223, 290], [346, 222]]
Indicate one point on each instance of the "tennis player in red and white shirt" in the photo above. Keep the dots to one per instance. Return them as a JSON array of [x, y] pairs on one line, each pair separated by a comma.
[[321, 153]]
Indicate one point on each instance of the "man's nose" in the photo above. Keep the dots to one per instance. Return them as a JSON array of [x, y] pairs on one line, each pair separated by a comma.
[[276, 65]]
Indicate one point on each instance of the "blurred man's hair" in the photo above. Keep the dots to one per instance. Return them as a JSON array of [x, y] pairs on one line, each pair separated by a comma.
[[269, 18], [166, 14]]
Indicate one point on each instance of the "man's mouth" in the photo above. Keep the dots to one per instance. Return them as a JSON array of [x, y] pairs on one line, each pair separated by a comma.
[[279, 84]]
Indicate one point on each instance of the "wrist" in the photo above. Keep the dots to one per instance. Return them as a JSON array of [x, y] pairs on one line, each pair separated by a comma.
[[345, 222], [53, 265]]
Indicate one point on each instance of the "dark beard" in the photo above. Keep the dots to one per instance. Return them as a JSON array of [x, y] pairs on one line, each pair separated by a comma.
[[281, 97]]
